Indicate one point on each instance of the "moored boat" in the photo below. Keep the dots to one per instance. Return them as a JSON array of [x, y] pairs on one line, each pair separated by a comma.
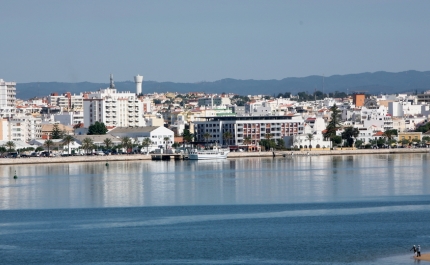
[[216, 153]]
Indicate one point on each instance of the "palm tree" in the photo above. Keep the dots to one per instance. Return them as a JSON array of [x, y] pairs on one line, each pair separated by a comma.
[[67, 139], [166, 140], [10, 145], [227, 136], [87, 144], [207, 136], [310, 137], [126, 143], [108, 143], [247, 140], [145, 143], [48, 143]]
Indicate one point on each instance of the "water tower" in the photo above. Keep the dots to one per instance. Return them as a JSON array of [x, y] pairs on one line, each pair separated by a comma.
[[138, 79]]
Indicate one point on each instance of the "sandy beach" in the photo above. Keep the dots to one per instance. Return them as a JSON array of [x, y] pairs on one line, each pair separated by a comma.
[[425, 257]]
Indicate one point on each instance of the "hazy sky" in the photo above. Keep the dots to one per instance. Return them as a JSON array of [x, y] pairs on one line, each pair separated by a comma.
[[193, 41]]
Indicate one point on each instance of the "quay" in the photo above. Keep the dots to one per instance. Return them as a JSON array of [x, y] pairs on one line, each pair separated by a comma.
[[169, 156], [232, 155]]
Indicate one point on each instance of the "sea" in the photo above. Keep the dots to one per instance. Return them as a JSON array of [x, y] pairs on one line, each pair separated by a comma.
[[317, 210]]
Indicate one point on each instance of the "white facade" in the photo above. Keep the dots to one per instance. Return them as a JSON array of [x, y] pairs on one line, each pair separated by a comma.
[[155, 134], [7, 99], [67, 101], [69, 118], [214, 101], [113, 108], [138, 79], [23, 128], [260, 108], [256, 128]]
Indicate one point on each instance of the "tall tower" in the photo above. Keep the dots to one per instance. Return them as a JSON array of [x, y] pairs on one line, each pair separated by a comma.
[[112, 85], [138, 79]]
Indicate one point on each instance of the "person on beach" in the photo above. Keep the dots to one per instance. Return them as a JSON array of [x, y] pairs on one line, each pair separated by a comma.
[[418, 251], [415, 250]]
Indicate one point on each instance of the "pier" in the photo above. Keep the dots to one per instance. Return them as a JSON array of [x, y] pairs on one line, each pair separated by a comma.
[[169, 156]]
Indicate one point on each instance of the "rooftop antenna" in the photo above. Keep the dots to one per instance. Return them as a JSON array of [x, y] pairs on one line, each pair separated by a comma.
[[323, 86], [112, 85]]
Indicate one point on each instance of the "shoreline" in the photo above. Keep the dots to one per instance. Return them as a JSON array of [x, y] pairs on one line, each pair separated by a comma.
[[136, 157], [424, 257]]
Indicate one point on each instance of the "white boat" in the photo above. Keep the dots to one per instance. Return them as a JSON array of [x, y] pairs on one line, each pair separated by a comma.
[[216, 153]]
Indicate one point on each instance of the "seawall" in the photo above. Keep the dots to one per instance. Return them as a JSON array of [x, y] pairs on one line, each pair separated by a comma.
[[83, 159]]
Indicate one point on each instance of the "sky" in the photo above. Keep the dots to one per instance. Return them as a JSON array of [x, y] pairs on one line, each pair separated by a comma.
[[195, 41]]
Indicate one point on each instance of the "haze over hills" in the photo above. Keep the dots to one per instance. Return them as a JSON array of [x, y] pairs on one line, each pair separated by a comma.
[[371, 83]]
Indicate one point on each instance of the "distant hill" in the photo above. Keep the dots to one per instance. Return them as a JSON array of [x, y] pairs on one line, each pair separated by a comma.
[[371, 83]]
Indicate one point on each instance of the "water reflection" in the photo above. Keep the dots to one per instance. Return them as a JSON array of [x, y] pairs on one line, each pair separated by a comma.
[[232, 181]]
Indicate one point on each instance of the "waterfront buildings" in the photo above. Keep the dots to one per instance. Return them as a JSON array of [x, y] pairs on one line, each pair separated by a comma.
[[254, 128], [113, 108], [7, 99]]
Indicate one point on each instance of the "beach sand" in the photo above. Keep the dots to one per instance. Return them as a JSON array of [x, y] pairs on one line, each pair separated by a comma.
[[425, 257]]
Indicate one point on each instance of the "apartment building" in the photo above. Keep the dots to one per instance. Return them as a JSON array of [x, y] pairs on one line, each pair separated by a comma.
[[256, 128], [113, 108], [7, 99]]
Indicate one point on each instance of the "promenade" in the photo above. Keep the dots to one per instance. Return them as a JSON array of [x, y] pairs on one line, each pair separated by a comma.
[[88, 159]]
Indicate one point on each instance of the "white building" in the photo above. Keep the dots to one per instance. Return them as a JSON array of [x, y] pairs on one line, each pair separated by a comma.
[[256, 128], [214, 101], [20, 128], [157, 135], [67, 101], [70, 118], [7, 99], [113, 108]]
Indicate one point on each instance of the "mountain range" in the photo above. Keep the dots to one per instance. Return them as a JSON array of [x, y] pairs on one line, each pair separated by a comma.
[[370, 83]]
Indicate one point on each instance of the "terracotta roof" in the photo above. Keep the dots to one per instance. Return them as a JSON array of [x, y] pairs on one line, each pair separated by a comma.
[[379, 134]]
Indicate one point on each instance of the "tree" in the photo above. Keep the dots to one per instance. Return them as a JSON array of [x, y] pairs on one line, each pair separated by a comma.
[[10, 145], [48, 143], [87, 144], [206, 136], [2, 150], [126, 143], [247, 140], [108, 143], [358, 143], [349, 134], [98, 128], [39, 149], [390, 133], [333, 124], [280, 143], [166, 140], [310, 137], [336, 139], [145, 143], [226, 137], [56, 132], [187, 136], [423, 128], [67, 139]]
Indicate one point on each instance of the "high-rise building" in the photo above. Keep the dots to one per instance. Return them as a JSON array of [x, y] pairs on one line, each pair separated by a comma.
[[113, 108], [7, 99]]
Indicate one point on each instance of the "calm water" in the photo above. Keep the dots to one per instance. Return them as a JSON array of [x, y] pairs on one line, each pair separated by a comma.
[[294, 210]]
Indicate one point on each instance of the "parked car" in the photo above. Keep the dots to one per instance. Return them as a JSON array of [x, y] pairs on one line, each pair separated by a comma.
[[99, 153], [46, 154], [35, 154], [13, 155]]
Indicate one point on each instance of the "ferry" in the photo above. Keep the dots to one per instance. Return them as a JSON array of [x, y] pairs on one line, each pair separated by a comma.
[[216, 153]]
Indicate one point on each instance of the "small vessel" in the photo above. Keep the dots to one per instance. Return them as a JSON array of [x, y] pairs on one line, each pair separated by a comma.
[[215, 153]]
